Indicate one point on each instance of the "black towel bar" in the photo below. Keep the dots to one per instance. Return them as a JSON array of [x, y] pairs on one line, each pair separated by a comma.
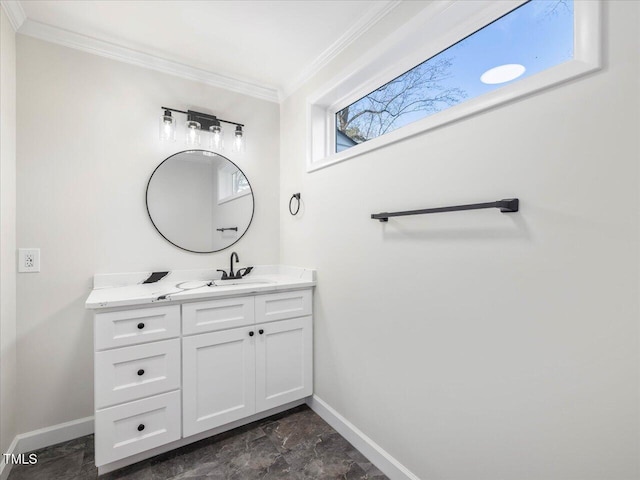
[[506, 206]]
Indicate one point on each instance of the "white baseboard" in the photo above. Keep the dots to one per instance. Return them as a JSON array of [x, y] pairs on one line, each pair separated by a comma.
[[45, 437], [388, 465], [5, 468], [48, 436]]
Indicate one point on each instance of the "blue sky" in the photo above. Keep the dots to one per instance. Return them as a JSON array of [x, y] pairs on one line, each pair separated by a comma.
[[530, 35]]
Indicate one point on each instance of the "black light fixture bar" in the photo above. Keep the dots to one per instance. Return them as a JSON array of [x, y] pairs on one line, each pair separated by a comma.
[[506, 206], [206, 120]]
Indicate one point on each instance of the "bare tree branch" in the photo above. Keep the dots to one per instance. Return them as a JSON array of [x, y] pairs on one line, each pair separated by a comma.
[[419, 89]]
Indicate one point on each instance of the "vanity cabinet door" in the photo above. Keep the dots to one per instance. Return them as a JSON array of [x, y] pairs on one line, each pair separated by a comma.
[[218, 378], [284, 355]]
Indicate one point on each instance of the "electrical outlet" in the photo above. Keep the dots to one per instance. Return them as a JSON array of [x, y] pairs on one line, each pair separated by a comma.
[[28, 260]]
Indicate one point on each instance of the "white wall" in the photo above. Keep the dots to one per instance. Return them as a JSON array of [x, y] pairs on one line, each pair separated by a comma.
[[7, 233], [480, 345], [87, 143]]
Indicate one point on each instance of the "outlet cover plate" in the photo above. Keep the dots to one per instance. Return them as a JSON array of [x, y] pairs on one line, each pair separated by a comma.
[[28, 260]]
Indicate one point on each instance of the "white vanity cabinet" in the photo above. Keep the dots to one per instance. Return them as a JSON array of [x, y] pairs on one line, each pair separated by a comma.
[[167, 373], [231, 374]]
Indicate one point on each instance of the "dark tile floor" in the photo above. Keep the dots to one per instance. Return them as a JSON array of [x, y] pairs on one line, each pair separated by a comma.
[[294, 445]]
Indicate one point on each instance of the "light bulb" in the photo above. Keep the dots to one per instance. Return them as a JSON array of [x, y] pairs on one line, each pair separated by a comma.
[[239, 140], [216, 137], [167, 127], [193, 133]]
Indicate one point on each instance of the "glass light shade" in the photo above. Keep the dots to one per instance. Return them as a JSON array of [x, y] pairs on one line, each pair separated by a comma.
[[167, 127], [239, 140], [216, 138], [192, 137]]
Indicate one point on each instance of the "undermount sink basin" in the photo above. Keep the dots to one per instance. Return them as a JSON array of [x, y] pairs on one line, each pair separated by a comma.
[[194, 284], [241, 281]]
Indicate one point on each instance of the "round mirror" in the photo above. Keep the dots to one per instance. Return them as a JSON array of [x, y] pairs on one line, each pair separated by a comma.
[[200, 201]]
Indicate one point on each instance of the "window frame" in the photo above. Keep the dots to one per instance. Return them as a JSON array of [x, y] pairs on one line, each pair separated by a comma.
[[404, 49], [225, 184]]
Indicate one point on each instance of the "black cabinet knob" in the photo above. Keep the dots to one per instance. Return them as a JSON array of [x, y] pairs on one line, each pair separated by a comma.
[[251, 334], [140, 326], [261, 331], [140, 372], [141, 427]]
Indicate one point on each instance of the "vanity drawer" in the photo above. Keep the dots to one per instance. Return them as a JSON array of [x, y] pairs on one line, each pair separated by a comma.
[[134, 427], [128, 327], [129, 373], [280, 306], [215, 315]]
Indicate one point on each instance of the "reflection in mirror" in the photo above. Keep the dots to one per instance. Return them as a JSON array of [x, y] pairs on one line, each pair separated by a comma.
[[200, 201]]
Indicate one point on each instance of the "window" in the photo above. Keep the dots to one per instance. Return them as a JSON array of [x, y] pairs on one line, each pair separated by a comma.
[[534, 37], [239, 182], [479, 54], [232, 184]]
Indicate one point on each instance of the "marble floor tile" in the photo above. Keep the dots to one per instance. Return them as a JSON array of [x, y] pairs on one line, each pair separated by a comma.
[[89, 456], [67, 467], [369, 468], [62, 449], [88, 471], [326, 458], [299, 430], [293, 445]]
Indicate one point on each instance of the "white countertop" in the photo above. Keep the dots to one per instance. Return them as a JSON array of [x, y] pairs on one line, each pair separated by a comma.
[[127, 289]]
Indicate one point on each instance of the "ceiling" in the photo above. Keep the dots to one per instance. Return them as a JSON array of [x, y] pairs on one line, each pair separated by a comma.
[[266, 48]]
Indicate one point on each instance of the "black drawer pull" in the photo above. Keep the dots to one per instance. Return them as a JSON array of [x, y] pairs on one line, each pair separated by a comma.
[[140, 326], [251, 334], [141, 427], [261, 331], [140, 372]]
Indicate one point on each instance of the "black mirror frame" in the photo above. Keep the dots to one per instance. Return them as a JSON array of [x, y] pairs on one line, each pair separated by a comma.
[[253, 203]]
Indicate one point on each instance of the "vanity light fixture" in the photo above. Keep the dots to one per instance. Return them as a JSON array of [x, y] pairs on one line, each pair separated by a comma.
[[192, 138], [197, 123], [216, 137], [167, 127], [239, 140]]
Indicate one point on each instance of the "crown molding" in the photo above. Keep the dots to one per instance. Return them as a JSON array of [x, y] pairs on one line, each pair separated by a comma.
[[15, 13], [49, 33], [123, 54], [364, 23]]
